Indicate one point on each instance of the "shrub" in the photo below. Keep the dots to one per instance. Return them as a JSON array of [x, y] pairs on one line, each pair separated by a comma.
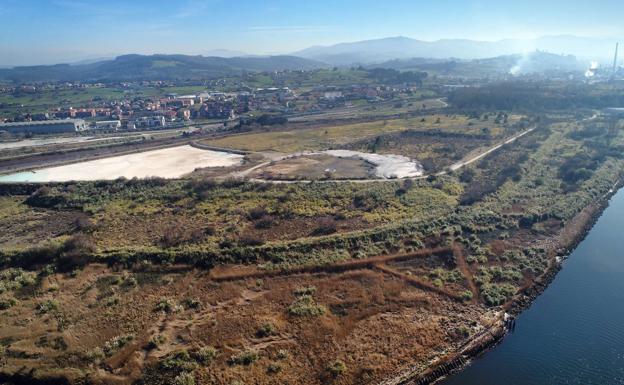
[[265, 222], [184, 379], [257, 213], [305, 290], [84, 223], [179, 361], [155, 342], [165, 305], [466, 295], [177, 234], [247, 357], [326, 226], [76, 252], [306, 306], [250, 240], [266, 330], [274, 368], [282, 354], [496, 294], [191, 303], [47, 306], [7, 303], [112, 346], [205, 354], [463, 331], [336, 368]]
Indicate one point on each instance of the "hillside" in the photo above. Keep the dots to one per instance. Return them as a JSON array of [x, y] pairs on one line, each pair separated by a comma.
[[534, 63], [380, 50], [161, 67]]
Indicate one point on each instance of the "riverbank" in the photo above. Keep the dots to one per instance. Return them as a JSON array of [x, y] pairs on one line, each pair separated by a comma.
[[570, 236]]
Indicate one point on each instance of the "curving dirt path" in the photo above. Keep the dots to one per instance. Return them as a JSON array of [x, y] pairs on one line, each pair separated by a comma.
[[453, 167]]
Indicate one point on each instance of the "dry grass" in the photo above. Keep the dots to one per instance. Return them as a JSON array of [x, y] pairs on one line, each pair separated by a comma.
[[332, 136]]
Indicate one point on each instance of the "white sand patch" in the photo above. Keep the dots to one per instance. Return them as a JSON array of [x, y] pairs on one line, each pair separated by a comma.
[[386, 166], [166, 163]]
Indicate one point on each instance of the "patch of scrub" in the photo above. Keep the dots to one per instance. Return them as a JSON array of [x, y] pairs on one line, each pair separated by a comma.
[[386, 166], [165, 163]]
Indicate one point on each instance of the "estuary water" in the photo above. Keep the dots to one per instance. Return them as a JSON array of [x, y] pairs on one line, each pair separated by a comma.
[[574, 332]]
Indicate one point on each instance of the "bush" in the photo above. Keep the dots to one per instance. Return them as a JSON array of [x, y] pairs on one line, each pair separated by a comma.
[[274, 368], [179, 361], [191, 303], [48, 306], [306, 306], [247, 357], [257, 213], [327, 226], [495, 294], [156, 341], [184, 379], [265, 222], [165, 305], [336, 368], [7, 303], [178, 234], [266, 330], [250, 240], [305, 290], [78, 244], [112, 346], [205, 354], [466, 295], [84, 223]]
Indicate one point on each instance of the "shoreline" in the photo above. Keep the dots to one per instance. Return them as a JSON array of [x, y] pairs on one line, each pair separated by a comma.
[[489, 338]]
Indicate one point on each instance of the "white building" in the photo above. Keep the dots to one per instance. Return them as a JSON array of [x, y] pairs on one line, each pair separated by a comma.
[[149, 122], [108, 125]]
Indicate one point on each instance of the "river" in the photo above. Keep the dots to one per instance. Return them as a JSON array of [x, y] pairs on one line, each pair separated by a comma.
[[574, 332]]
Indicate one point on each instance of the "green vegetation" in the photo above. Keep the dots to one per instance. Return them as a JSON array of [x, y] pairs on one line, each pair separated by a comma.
[[246, 358], [205, 355], [306, 306], [184, 379], [113, 346], [266, 330], [336, 368]]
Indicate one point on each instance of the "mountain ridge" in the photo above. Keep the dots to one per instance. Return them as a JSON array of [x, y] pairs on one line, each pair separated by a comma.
[[401, 47]]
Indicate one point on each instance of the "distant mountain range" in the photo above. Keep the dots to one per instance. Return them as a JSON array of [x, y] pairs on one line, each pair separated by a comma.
[[381, 50], [157, 67], [452, 57]]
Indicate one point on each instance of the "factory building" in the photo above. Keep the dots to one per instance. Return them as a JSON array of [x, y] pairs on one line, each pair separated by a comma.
[[44, 127]]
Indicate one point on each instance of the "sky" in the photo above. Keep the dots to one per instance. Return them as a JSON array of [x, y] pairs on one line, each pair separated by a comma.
[[55, 31]]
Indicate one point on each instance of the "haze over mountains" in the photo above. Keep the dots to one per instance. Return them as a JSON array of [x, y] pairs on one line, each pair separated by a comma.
[[452, 56], [157, 67], [380, 50]]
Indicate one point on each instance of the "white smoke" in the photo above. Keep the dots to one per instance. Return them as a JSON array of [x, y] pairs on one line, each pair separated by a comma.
[[520, 65], [593, 68]]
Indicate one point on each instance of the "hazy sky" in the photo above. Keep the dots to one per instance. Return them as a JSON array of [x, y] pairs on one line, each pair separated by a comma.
[[50, 31]]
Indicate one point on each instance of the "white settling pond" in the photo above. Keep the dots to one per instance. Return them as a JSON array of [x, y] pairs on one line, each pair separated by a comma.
[[166, 163], [386, 166]]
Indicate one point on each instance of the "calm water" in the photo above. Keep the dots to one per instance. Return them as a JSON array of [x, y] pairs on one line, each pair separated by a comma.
[[574, 332]]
